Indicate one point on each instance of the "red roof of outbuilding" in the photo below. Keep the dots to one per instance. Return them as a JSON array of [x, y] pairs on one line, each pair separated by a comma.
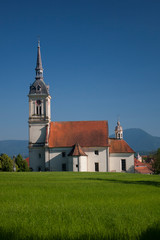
[[119, 146], [137, 163], [77, 151], [86, 133], [143, 170], [27, 159]]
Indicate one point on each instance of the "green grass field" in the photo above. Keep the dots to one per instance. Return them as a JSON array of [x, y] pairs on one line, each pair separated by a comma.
[[66, 205]]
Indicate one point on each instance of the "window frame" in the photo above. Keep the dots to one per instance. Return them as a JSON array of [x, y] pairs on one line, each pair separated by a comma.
[[96, 152], [64, 167], [123, 165], [63, 154], [96, 166], [38, 107]]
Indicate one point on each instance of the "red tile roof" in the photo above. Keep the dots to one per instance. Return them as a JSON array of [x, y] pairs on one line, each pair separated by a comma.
[[144, 156], [143, 170], [119, 146], [86, 133], [27, 159], [138, 163], [77, 151]]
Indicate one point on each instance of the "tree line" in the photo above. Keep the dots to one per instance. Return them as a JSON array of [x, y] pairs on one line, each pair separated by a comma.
[[153, 159], [156, 161], [17, 164]]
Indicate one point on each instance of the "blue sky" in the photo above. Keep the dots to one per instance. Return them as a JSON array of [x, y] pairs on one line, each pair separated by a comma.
[[101, 59]]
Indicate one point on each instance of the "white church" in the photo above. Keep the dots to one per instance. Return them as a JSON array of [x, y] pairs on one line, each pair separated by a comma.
[[78, 146]]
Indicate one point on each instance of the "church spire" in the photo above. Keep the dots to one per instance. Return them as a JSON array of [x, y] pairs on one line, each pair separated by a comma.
[[39, 69]]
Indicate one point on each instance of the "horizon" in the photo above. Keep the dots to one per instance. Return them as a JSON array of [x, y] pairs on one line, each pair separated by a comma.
[[110, 135], [101, 60]]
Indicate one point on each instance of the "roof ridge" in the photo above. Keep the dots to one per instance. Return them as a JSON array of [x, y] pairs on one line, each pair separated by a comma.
[[80, 121]]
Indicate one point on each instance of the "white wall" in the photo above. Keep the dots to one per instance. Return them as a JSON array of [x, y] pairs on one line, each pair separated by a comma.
[[75, 164], [37, 159], [83, 160], [53, 160], [115, 162], [56, 159], [37, 133], [70, 164], [79, 163], [84, 163], [102, 158]]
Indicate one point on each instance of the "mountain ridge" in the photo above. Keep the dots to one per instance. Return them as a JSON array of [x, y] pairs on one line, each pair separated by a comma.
[[138, 139], [14, 147]]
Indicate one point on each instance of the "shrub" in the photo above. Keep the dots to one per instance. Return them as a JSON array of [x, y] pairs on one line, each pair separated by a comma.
[[22, 164], [6, 163], [156, 163]]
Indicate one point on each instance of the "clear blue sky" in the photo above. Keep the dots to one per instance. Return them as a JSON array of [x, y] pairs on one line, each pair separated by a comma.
[[101, 59]]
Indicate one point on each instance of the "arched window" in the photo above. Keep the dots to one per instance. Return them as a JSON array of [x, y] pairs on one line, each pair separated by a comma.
[[38, 88], [39, 107]]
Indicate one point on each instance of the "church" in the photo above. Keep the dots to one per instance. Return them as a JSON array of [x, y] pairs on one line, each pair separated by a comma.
[[79, 146]]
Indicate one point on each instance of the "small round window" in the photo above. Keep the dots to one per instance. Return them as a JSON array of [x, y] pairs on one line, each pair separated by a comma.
[[38, 102]]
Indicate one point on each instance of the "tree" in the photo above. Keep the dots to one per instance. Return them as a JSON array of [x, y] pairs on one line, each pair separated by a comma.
[[156, 163], [22, 164], [6, 163]]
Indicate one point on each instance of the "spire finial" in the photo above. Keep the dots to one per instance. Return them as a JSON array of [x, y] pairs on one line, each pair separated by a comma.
[[38, 38], [118, 118], [38, 41]]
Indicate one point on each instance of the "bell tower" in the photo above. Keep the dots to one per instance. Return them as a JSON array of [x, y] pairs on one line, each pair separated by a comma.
[[118, 131], [39, 117]]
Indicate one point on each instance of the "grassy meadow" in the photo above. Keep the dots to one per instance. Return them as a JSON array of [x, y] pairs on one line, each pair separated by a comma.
[[54, 205]]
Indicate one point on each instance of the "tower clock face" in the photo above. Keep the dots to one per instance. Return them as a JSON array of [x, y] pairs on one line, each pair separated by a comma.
[[38, 102]]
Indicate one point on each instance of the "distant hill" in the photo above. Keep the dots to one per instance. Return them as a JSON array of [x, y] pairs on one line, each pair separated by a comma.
[[14, 147], [140, 140]]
